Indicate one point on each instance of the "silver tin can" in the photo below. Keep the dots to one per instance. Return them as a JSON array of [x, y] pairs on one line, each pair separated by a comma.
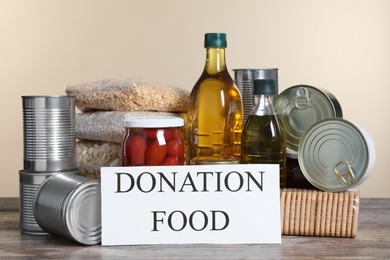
[[301, 106], [69, 205], [336, 155], [49, 133], [243, 79], [29, 182], [28, 186]]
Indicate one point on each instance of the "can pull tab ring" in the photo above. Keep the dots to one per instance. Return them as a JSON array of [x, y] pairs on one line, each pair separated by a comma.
[[302, 100], [344, 172]]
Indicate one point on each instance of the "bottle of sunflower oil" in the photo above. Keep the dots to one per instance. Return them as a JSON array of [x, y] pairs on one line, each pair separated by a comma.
[[262, 139], [215, 110]]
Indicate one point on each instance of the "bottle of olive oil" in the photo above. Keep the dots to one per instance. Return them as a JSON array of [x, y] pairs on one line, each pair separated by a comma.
[[262, 139], [215, 109]]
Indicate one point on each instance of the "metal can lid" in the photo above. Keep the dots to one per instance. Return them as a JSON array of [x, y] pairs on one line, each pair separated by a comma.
[[82, 213], [335, 155], [300, 106], [153, 122], [49, 102]]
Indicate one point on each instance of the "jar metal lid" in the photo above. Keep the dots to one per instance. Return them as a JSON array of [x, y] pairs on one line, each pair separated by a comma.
[[300, 106], [215, 160], [336, 155], [155, 122]]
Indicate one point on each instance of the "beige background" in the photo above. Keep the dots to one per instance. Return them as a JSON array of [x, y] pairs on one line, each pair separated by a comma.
[[339, 45]]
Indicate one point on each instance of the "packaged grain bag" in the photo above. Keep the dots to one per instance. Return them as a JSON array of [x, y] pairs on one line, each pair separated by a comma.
[[128, 94]]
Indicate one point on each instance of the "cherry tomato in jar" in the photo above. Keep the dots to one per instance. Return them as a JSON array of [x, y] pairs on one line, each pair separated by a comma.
[[176, 148], [170, 161], [151, 133], [135, 147], [155, 153], [169, 133]]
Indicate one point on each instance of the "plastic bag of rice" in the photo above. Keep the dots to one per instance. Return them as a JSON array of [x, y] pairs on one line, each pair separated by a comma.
[[108, 126], [128, 94], [90, 156]]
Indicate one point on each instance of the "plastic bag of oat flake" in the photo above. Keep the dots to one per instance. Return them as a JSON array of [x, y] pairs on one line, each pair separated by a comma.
[[91, 155], [128, 94]]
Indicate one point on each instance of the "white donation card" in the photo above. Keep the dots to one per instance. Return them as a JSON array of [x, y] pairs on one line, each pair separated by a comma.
[[220, 204]]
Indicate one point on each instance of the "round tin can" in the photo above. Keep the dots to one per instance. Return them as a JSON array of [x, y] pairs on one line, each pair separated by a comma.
[[69, 205], [300, 106], [336, 155]]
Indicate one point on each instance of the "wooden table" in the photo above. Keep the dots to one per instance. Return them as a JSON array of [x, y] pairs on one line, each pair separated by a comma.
[[372, 242]]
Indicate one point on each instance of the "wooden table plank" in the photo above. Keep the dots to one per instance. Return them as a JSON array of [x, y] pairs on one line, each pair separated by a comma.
[[372, 241]]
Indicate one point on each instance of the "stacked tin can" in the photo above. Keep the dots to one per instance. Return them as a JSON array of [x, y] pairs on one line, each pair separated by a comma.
[[49, 146], [48, 149], [324, 151]]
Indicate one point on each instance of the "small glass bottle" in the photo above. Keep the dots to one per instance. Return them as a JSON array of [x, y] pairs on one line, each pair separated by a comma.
[[262, 139], [215, 108], [153, 141]]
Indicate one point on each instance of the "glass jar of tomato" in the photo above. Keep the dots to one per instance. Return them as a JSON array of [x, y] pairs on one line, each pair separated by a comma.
[[153, 141]]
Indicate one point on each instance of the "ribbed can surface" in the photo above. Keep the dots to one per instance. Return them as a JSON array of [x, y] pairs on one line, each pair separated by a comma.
[[68, 205], [49, 133], [28, 186]]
